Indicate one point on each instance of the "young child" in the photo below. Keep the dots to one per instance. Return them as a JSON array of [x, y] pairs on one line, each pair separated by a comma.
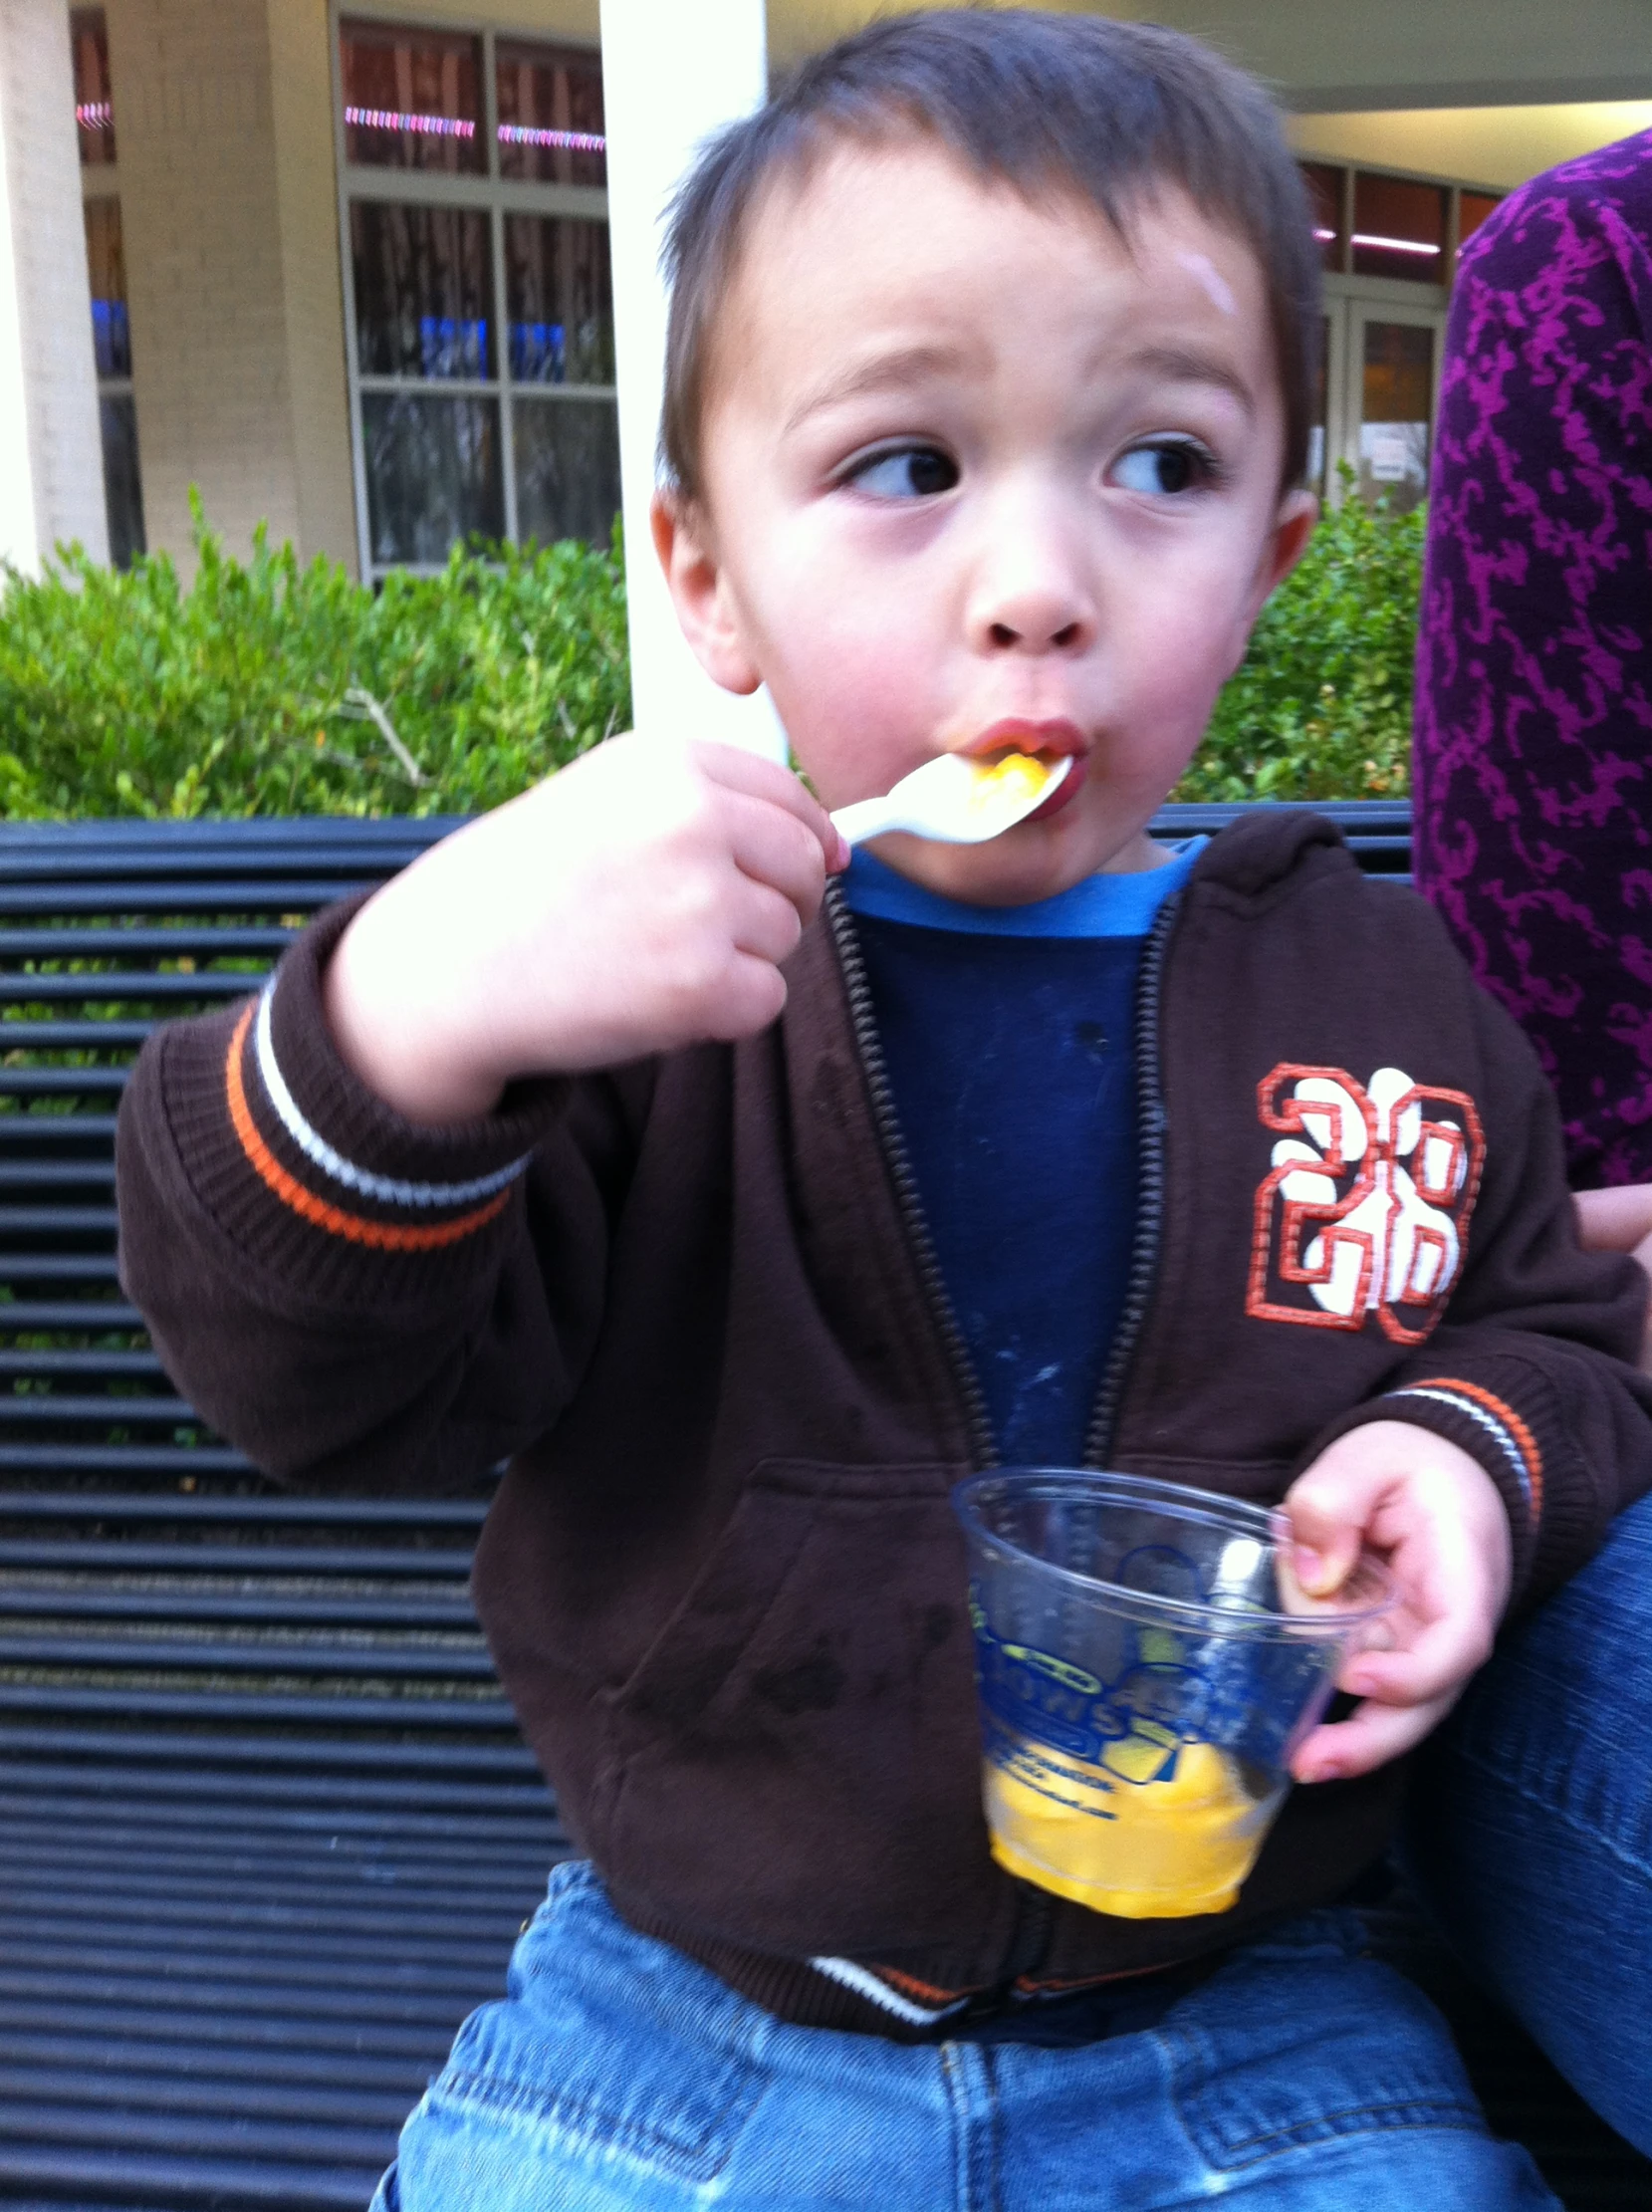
[[748, 1228]]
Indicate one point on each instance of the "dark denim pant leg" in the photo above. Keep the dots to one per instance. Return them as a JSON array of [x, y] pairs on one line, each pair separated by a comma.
[[1531, 1831]]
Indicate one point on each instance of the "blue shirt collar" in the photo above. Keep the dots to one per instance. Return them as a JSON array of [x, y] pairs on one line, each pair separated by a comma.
[[1101, 905]]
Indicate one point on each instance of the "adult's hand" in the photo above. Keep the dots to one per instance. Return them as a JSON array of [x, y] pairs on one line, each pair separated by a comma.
[[1620, 1220]]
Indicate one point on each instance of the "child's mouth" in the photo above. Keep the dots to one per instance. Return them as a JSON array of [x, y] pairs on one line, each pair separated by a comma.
[[1065, 792], [1045, 741]]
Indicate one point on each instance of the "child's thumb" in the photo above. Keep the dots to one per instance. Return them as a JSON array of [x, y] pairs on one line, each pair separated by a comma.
[[1327, 1520]]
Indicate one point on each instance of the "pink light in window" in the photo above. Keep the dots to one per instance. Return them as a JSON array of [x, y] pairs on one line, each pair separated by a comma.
[[1325, 236], [390, 119], [94, 115], [573, 141], [1393, 245]]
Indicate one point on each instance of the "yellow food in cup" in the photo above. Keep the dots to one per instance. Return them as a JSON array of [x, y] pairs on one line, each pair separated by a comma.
[[1154, 1833]]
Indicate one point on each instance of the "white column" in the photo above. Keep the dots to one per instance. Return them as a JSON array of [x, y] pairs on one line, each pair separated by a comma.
[[18, 542], [672, 72], [47, 377]]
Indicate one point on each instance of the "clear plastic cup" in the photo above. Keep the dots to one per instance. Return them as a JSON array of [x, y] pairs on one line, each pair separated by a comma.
[[1147, 1665]]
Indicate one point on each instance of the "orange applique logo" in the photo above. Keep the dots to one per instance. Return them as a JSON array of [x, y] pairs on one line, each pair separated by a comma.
[[1365, 1208]]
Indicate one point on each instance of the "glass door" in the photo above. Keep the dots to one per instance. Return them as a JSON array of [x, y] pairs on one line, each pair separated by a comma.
[[1391, 395], [1325, 438]]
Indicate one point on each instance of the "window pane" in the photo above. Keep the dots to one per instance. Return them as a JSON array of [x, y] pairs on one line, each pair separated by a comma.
[[551, 126], [423, 289], [123, 489], [1397, 395], [1399, 229], [1472, 210], [106, 264], [566, 469], [412, 97], [1324, 192], [94, 109], [560, 289], [432, 473]]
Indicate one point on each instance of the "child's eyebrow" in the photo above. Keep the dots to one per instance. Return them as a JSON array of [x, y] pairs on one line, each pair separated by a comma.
[[879, 372], [1183, 365]]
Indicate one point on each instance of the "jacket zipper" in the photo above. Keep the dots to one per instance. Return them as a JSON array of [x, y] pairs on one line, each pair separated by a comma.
[[1144, 1251], [982, 1449], [1036, 1908]]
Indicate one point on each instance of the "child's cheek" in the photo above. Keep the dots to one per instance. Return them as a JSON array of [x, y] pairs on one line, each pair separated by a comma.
[[856, 699]]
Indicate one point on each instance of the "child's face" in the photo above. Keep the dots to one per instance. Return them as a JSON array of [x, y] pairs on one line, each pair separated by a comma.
[[977, 474]]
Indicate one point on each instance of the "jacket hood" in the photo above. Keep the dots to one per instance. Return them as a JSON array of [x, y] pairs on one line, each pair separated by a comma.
[[1260, 851]]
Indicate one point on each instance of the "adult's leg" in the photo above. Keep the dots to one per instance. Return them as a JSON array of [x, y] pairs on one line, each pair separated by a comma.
[[1530, 1838]]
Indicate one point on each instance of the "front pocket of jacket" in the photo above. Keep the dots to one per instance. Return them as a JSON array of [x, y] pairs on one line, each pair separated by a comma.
[[798, 1753]]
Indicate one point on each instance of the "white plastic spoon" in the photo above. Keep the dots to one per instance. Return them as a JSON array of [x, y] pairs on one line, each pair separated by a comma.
[[957, 800]]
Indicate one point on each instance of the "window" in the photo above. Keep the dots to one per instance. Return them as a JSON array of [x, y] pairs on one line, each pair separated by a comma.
[[1399, 228], [105, 263], [479, 293], [1375, 223], [1474, 207], [1324, 192], [94, 109], [1388, 245]]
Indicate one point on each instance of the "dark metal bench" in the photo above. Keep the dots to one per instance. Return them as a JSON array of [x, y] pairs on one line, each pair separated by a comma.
[[267, 1830]]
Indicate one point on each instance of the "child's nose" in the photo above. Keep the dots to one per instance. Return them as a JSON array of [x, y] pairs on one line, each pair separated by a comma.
[[1028, 599]]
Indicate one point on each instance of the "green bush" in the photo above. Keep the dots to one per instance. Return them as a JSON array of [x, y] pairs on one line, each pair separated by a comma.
[[274, 688], [1321, 706]]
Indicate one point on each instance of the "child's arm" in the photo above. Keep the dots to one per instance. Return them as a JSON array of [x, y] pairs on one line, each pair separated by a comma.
[[362, 1257], [1422, 1504], [1502, 1442]]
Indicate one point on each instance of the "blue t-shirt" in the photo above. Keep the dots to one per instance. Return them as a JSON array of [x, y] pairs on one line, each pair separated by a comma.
[[1008, 1033]]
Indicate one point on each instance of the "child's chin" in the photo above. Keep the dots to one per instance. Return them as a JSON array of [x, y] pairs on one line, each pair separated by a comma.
[[1028, 862]]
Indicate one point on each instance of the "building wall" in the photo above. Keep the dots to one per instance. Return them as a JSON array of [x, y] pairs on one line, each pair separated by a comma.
[[1329, 56], [60, 494], [1498, 146], [306, 207], [229, 199], [229, 191], [200, 205]]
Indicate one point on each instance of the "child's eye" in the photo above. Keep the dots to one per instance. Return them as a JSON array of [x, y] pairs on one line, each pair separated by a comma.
[[905, 472], [1165, 466]]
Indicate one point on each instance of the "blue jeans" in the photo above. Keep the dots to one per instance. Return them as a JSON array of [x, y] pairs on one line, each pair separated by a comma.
[[1299, 2076], [1531, 1829]]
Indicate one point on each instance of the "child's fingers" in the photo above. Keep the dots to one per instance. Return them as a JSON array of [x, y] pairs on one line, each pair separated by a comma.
[[763, 924], [737, 770], [1372, 1734], [773, 848], [1435, 1662], [1329, 1509]]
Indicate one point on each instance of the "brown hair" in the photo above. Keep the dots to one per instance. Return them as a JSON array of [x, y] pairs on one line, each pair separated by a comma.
[[1110, 109]]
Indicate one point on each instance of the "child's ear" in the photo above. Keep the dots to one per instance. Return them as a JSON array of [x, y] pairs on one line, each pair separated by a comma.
[[700, 590], [1298, 512], [1283, 547]]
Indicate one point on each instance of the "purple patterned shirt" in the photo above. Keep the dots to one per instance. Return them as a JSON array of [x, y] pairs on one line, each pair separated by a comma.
[[1533, 724]]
